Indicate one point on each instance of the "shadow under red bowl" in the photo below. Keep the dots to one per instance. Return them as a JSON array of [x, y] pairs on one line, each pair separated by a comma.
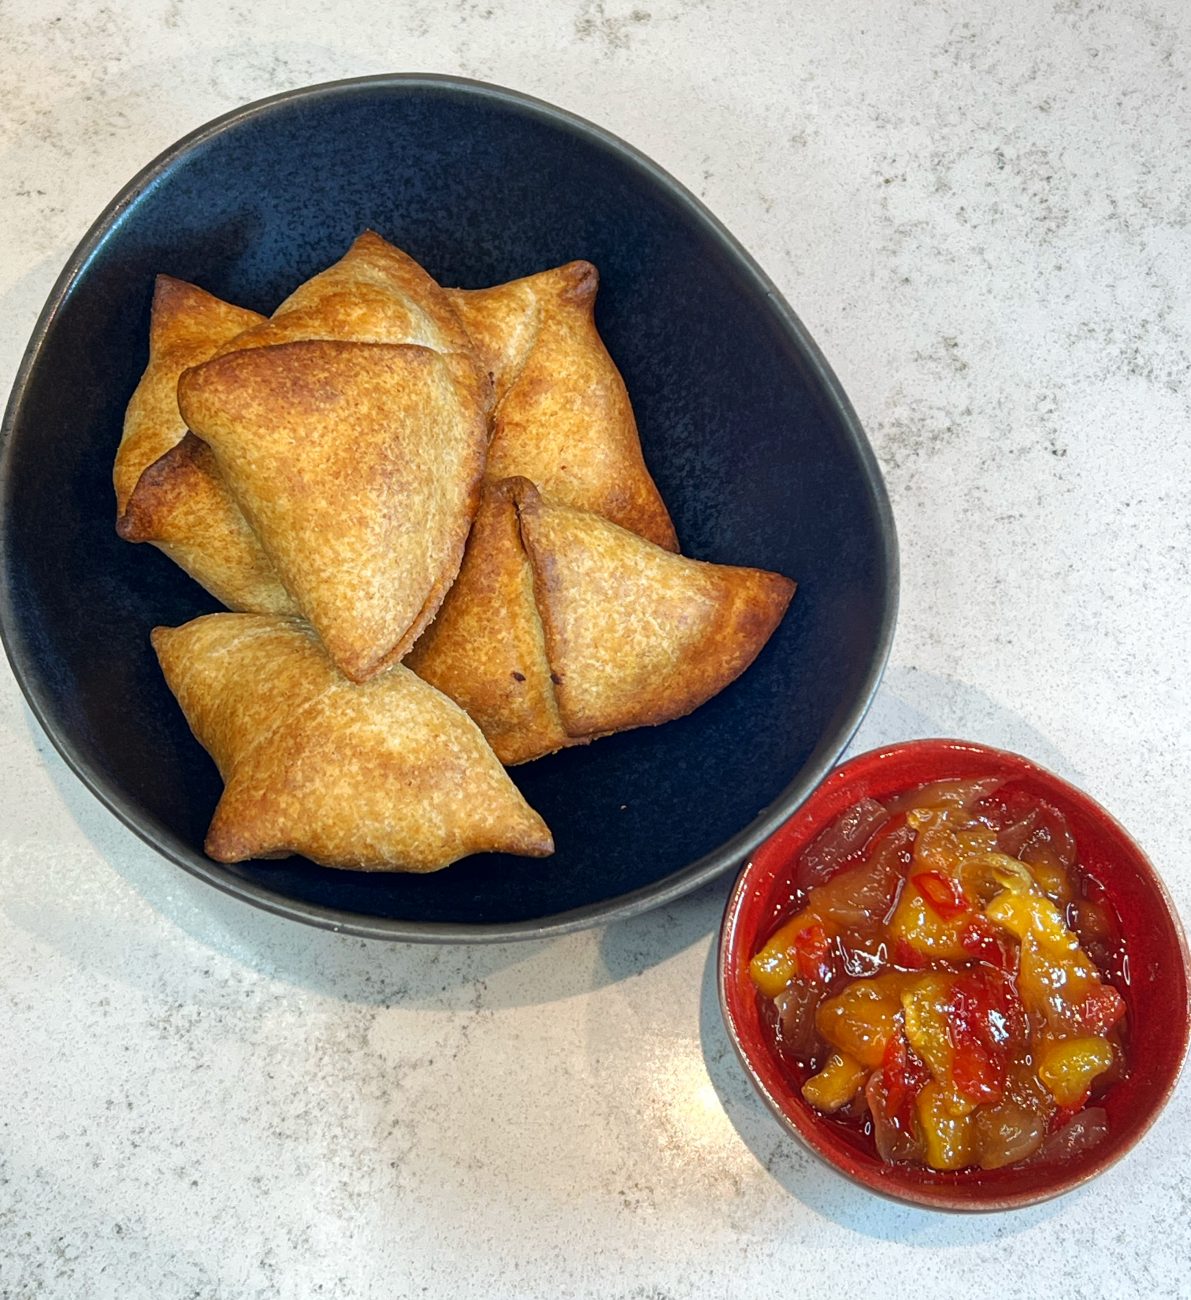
[[1157, 996]]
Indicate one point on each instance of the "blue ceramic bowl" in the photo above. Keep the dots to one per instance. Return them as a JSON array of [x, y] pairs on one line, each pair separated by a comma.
[[749, 436]]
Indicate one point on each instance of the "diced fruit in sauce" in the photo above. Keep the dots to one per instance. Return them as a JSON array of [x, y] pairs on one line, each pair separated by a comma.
[[796, 1007], [1102, 1010], [895, 1126], [985, 875], [1069, 1067], [948, 1131], [986, 1023], [917, 924], [942, 895], [924, 1012], [836, 1083], [1079, 1134], [960, 794], [1017, 1125], [942, 981], [1051, 879], [861, 1019], [844, 838], [812, 954], [1054, 988], [984, 941], [862, 895], [777, 963], [904, 1075], [1029, 828], [1030, 915]]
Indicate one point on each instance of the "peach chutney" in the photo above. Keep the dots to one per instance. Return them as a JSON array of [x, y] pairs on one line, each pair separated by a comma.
[[945, 979]]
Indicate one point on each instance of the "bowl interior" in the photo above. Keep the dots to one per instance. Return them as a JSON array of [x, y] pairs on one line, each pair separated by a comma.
[[1157, 995], [752, 449]]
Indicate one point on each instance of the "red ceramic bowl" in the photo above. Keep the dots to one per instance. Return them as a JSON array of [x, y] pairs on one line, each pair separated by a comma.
[[1158, 998]]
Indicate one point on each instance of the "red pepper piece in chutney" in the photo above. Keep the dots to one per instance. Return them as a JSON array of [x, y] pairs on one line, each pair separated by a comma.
[[1102, 1010], [984, 941], [908, 958], [922, 1030], [942, 893], [905, 1076], [985, 1023], [812, 950]]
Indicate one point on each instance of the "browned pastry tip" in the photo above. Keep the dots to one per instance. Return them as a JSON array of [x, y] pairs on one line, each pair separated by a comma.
[[562, 418]]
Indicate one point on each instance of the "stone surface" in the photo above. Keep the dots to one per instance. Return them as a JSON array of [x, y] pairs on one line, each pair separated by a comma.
[[982, 210]]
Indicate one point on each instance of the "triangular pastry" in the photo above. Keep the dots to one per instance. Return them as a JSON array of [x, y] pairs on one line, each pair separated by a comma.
[[486, 648], [564, 626], [357, 466], [562, 417], [187, 326], [388, 775], [634, 635], [375, 293], [191, 523]]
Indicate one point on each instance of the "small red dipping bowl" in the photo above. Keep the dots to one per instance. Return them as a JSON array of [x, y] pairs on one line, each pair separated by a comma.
[[1157, 996]]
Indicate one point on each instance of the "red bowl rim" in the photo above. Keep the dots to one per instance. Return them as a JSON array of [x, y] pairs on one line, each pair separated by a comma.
[[948, 1197]]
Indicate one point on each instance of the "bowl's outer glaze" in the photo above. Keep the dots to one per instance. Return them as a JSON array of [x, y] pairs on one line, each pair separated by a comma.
[[749, 436], [1158, 995]]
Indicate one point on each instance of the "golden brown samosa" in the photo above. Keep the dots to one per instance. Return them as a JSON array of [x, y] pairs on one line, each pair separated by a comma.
[[562, 417], [564, 626], [375, 293], [187, 326], [358, 467], [216, 546], [634, 635], [486, 648], [388, 775]]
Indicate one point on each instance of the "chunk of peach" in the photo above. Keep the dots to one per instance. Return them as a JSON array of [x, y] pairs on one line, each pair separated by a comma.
[[836, 1083], [861, 1019], [948, 1139], [777, 963], [917, 924], [1068, 1067]]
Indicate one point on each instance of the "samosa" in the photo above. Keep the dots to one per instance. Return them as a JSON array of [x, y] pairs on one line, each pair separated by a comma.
[[486, 648], [634, 635], [358, 467], [388, 775], [564, 626], [374, 294], [562, 417], [187, 517]]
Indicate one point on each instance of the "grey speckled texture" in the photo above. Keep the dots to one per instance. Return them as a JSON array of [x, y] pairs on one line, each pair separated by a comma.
[[982, 210]]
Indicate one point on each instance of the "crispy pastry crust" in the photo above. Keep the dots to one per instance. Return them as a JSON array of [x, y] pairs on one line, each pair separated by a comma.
[[187, 326], [388, 775], [358, 467], [374, 293], [636, 636], [182, 505], [562, 418], [486, 648], [564, 626], [176, 501]]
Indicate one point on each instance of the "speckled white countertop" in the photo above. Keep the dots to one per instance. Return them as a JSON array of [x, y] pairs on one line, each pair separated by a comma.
[[982, 210]]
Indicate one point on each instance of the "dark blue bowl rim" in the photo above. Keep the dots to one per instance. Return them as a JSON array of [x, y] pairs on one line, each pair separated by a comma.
[[729, 854]]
